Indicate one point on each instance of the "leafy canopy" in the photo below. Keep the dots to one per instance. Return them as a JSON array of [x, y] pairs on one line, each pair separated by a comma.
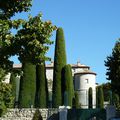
[[8, 8]]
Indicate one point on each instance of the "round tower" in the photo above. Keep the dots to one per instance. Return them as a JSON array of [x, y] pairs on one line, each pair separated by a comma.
[[83, 81]]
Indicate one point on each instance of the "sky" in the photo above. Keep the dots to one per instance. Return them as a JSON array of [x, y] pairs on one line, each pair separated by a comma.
[[91, 28]]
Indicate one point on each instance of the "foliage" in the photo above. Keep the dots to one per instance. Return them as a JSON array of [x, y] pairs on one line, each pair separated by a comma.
[[28, 86], [90, 98], [113, 68], [8, 8], [2, 74], [6, 98], [37, 115], [59, 63], [99, 97], [116, 100], [67, 86], [31, 42], [41, 87]]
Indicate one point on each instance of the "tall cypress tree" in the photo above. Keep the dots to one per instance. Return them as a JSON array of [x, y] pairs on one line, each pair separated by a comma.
[[75, 101], [96, 97], [28, 86], [13, 83], [90, 98], [100, 98], [67, 86], [41, 87], [59, 63]]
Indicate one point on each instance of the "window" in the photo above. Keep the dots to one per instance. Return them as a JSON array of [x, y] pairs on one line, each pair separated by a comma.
[[86, 81]]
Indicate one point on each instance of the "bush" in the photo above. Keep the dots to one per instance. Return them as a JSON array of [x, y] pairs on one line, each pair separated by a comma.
[[37, 115]]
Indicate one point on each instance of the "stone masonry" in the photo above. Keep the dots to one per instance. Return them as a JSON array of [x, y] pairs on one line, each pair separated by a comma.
[[27, 114]]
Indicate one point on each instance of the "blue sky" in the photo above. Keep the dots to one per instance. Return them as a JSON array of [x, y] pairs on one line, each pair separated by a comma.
[[91, 28]]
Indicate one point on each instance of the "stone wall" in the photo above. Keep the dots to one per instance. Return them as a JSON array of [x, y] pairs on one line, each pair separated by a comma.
[[27, 114]]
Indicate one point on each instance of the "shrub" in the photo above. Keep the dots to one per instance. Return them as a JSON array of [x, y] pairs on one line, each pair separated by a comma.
[[37, 115]]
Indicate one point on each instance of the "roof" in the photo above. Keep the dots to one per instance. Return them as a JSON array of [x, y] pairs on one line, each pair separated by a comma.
[[85, 72], [52, 65]]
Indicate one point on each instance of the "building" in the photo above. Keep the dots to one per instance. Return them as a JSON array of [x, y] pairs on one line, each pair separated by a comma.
[[84, 78]]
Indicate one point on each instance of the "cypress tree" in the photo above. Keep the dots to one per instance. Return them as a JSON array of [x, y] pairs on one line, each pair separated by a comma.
[[41, 87], [67, 86], [90, 98], [100, 98], [96, 97], [59, 63], [27, 86], [75, 101], [13, 83]]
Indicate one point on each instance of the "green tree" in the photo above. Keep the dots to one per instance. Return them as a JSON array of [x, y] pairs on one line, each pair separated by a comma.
[[28, 86], [41, 87], [8, 8], [32, 41], [13, 84], [67, 86], [106, 91], [90, 99], [113, 68], [32, 44], [75, 101], [99, 97], [59, 63]]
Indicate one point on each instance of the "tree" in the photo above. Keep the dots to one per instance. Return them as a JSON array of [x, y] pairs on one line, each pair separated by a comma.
[[32, 44], [28, 86], [59, 63], [99, 97], [90, 94], [6, 98], [8, 8], [67, 86], [75, 101], [116, 100], [41, 86], [13, 84], [113, 68], [106, 91]]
